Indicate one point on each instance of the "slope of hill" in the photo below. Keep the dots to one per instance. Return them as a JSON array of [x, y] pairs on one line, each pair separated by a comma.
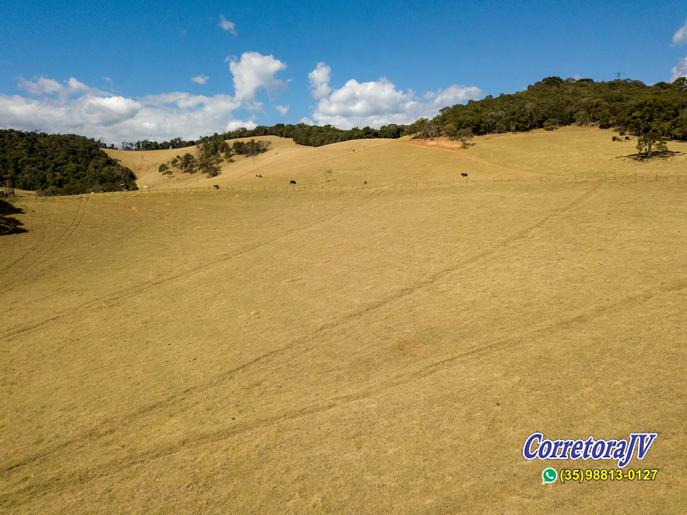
[[568, 153], [349, 349]]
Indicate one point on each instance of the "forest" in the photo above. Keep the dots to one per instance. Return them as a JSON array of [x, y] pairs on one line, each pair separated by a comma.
[[60, 164], [658, 111], [310, 135]]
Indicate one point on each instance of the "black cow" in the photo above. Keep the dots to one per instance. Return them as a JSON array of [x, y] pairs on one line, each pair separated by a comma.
[[215, 186], [292, 181], [463, 174]]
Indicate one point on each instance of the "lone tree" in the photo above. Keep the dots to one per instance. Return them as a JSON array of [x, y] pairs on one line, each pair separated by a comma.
[[651, 143], [646, 123]]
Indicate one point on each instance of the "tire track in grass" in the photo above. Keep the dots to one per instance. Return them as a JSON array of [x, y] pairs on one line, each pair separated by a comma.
[[40, 250], [218, 380], [42, 236], [146, 286], [78, 220], [88, 474]]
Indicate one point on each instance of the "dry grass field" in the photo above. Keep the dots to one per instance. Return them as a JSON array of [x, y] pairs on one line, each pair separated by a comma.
[[340, 347]]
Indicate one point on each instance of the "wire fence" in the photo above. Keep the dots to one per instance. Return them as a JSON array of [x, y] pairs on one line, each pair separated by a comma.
[[423, 183], [407, 185]]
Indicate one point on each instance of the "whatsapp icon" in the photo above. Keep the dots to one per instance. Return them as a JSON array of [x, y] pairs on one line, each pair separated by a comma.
[[549, 475]]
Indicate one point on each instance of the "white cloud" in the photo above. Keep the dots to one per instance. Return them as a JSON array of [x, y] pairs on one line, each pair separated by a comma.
[[106, 110], [319, 80], [455, 94], [377, 103], [238, 124], [680, 35], [680, 69], [255, 71], [74, 107], [46, 86], [42, 86], [227, 25]]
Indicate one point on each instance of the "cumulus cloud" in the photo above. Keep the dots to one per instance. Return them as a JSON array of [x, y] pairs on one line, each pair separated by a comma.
[[680, 36], [227, 25], [71, 106], [377, 103], [680, 69], [454, 94], [319, 80], [74, 107], [239, 124], [46, 86], [106, 111], [254, 71]]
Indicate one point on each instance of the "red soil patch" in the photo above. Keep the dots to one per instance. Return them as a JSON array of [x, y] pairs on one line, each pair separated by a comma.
[[443, 143]]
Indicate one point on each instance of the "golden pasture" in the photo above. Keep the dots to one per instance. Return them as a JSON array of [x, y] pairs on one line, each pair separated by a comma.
[[341, 347]]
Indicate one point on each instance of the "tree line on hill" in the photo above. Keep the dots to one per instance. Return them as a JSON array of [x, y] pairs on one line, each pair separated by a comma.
[[310, 135], [60, 164], [653, 113], [68, 164], [211, 152]]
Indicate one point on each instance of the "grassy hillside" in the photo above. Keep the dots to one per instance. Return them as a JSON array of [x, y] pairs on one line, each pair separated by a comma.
[[371, 349], [567, 154]]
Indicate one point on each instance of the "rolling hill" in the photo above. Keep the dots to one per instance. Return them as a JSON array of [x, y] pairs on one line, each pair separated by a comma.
[[569, 153], [340, 346]]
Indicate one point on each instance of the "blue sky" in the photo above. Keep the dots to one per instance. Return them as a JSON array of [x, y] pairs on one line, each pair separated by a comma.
[[132, 63]]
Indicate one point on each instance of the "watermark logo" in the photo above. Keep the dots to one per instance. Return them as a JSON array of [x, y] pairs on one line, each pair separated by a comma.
[[539, 448]]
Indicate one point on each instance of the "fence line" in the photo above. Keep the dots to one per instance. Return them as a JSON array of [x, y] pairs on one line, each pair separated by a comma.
[[424, 184], [401, 186]]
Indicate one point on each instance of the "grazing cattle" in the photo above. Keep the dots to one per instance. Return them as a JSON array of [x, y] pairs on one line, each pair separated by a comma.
[[258, 175], [365, 183], [215, 186], [146, 187], [463, 174], [292, 181]]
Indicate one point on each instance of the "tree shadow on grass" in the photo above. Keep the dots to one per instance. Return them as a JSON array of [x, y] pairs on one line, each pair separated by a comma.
[[665, 154], [8, 224]]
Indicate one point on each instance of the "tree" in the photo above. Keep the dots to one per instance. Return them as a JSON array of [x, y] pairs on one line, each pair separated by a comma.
[[465, 137], [450, 130], [187, 163], [646, 122], [550, 124], [651, 142]]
